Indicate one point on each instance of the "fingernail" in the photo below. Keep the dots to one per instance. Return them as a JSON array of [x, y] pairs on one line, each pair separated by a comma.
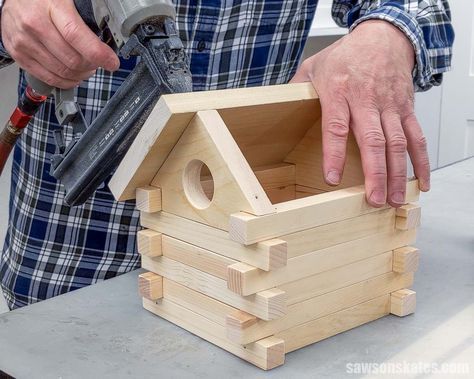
[[333, 177], [378, 197], [398, 198], [424, 185]]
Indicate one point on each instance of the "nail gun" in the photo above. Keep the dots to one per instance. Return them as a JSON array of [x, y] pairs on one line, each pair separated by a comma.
[[144, 28]]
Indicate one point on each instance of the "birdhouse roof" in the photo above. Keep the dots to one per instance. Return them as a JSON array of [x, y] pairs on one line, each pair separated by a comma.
[[265, 122]]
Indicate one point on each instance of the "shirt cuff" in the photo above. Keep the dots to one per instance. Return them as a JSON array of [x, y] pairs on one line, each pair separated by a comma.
[[424, 75]]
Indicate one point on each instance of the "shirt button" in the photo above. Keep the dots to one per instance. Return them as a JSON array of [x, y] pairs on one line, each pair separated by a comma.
[[201, 46]]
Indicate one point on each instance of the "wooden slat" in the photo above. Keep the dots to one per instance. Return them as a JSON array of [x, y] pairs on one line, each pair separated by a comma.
[[306, 213], [266, 354], [324, 236], [199, 303], [328, 326], [267, 305], [246, 280], [317, 307], [340, 277], [303, 191], [267, 255], [201, 259]]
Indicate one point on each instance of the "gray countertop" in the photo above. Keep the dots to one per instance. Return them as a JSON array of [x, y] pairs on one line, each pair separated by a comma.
[[102, 331]]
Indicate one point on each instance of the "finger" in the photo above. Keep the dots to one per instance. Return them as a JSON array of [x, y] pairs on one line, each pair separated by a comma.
[[418, 151], [371, 140], [50, 62], [73, 29], [335, 130], [64, 53], [33, 67], [396, 158]]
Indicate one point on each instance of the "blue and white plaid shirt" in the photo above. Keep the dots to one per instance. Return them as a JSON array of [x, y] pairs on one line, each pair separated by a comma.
[[51, 249]]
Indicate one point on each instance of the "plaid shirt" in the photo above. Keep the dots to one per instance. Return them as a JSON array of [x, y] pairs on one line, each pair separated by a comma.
[[51, 249]]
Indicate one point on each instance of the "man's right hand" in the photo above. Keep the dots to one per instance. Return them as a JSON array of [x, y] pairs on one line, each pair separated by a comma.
[[50, 40]]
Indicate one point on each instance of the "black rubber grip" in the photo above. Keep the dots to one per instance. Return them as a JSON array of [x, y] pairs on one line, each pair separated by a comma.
[[85, 9]]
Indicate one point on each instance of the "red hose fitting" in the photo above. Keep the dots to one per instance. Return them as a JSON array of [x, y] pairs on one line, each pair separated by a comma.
[[19, 119]]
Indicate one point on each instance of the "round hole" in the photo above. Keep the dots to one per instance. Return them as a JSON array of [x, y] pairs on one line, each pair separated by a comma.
[[198, 184]]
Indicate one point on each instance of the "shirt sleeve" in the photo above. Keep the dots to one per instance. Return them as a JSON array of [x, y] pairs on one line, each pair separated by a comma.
[[426, 23]]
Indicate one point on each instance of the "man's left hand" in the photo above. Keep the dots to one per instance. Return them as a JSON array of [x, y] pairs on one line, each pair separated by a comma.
[[365, 84]]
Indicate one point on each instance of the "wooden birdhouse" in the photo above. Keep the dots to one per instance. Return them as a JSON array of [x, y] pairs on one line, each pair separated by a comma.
[[245, 244]]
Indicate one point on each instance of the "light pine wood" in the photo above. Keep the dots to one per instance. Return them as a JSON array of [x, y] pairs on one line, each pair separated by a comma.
[[324, 236], [278, 181], [246, 280], [282, 194], [276, 175], [237, 321], [300, 214], [146, 155], [402, 302], [206, 306], [149, 243], [340, 277], [258, 119], [406, 259], [308, 159], [303, 191], [267, 305], [201, 259], [408, 217], [148, 199], [266, 255], [150, 286], [266, 134], [328, 326], [317, 307], [246, 245], [266, 354], [208, 141]]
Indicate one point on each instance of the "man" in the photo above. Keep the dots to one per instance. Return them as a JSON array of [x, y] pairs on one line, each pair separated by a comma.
[[365, 82]]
